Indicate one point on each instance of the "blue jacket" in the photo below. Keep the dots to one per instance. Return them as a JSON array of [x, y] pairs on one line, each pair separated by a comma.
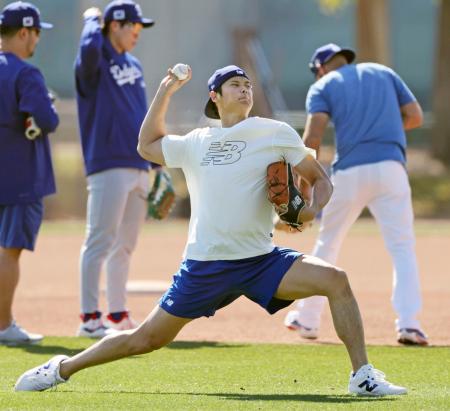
[[26, 171], [111, 102]]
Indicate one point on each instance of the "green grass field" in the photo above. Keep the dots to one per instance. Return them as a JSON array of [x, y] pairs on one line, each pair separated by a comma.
[[216, 376]]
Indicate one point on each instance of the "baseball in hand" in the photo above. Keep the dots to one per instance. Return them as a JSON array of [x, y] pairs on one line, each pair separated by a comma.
[[181, 71]]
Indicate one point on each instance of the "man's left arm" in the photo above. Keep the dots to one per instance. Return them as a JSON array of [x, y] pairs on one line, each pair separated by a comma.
[[313, 173], [412, 115]]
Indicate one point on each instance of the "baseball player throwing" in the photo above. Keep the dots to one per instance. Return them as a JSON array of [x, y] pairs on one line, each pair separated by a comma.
[[371, 107], [229, 251]]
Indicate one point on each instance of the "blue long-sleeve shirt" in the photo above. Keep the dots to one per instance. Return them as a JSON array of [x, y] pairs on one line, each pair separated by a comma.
[[111, 102], [26, 171]]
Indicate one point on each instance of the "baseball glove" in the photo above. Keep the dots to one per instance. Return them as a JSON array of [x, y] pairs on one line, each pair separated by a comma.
[[284, 194], [162, 196]]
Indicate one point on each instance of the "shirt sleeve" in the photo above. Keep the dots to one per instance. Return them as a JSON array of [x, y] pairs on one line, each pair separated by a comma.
[[176, 149], [34, 99], [292, 147], [404, 94], [316, 101], [88, 59]]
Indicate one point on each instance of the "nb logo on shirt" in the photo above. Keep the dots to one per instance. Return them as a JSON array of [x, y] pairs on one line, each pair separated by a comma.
[[125, 74], [223, 153]]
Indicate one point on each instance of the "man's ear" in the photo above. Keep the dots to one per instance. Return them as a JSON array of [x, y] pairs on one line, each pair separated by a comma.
[[213, 96], [114, 26], [23, 32]]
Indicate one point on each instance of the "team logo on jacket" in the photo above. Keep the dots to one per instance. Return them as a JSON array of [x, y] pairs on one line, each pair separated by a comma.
[[223, 153], [125, 74]]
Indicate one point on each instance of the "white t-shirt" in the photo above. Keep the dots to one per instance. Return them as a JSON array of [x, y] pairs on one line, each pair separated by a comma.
[[225, 170]]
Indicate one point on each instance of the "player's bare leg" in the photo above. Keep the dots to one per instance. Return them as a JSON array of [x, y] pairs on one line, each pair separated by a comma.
[[9, 278], [312, 276], [158, 330]]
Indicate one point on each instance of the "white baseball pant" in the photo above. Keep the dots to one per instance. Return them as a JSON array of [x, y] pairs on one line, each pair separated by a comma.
[[384, 188], [116, 209]]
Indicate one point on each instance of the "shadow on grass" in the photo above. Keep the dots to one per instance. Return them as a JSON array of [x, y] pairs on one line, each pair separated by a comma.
[[46, 349], [319, 398], [324, 398], [192, 345]]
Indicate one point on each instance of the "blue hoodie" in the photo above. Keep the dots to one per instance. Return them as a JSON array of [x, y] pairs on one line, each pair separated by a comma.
[[26, 171], [111, 102]]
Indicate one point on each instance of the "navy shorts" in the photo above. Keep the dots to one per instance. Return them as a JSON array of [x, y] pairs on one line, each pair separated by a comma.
[[19, 224], [200, 288]]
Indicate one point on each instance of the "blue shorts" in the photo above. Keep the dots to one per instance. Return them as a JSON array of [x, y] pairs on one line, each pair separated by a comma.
[[200, 288], [19, 224]]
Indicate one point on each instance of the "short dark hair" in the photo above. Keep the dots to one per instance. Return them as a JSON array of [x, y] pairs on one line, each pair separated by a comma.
[[6, 31], [105, 28], [218, 91]]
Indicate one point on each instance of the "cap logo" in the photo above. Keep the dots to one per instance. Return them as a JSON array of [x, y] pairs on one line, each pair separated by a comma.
[[138, 10], [119, 15], [28, 21]]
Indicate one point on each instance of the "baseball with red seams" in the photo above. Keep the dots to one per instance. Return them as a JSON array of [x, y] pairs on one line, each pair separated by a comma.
[[181, 71]]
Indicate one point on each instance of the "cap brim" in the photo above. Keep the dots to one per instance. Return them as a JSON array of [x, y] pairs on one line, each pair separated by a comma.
[[44, 25], [146, 23], [211, 111]]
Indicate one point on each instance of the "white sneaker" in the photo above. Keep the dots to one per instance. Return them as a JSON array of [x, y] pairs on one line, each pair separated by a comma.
[[292, 323], [94, 328], [43, 377], [126, 323], [370, 381], [412, 336], [15, 334]]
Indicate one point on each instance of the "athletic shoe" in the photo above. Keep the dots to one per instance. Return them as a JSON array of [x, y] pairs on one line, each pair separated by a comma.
[[43, 377], [94, 328], [411, 336], [370, 382], [291, 322], [120, 321], [15, 334]]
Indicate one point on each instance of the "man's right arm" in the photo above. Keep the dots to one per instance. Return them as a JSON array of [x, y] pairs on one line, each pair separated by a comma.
[[91, 41], [315, 127], [153, 128]]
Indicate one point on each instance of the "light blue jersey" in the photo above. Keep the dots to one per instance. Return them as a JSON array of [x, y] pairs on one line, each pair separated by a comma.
[[363, 101]]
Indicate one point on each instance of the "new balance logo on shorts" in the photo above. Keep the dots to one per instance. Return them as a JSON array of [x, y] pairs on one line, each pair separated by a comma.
[[219, 154]]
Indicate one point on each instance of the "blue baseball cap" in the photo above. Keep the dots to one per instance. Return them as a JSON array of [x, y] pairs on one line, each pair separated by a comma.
[[326, 53], [126, 10], [21, 14], [219, 77]]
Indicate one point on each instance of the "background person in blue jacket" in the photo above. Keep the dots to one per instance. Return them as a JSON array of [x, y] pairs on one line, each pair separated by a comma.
[[371, 107], [26, 172], [111, 106]]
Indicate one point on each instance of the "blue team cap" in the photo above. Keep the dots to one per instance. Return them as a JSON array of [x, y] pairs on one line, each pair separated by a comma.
[[219, 77], [326, 53], [126, 10], [21, 14]]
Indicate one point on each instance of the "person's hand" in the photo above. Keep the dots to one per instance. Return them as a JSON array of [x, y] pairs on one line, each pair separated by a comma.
[[170, 84], [92, 12]]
